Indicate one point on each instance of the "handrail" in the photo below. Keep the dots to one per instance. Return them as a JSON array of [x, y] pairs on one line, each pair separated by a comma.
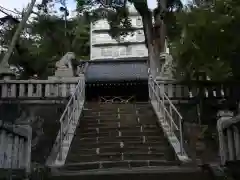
[[71, 113], [169, 101], [165, 109], [170, 114]]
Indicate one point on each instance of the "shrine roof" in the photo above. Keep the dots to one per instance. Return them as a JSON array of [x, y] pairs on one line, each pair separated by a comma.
[[116, 70]]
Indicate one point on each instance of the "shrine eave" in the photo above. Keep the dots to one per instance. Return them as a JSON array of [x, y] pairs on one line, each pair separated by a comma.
[[125, 29], [110, 60], [116, 70], [126, 43]]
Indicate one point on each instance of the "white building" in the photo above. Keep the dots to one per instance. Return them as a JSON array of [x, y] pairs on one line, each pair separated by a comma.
[[103, 46]]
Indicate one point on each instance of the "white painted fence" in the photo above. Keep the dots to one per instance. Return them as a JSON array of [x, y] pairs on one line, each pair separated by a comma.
[[229, 136], [15, 146], [27, 89]]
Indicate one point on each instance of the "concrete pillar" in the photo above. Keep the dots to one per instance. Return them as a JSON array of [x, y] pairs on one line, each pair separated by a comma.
[[64, 90], [22, 90], [15, 152], [230, 143], [9, 151], [13, 90], [39, 92], [3, 147], [47, 90], [223, 145], [30, 90], [21, 153], [237, 142], [28, 147]]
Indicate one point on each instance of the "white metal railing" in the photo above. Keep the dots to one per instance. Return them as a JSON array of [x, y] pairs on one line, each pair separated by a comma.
[[71, 114], [169, 112]]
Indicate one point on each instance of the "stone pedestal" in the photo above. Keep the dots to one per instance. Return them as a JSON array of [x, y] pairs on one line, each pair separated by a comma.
[[6, 73], [192, 131], [64, 72]]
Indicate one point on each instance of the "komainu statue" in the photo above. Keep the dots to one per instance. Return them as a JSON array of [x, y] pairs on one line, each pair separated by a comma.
[[64, 66], [166, 71], [66, 61]]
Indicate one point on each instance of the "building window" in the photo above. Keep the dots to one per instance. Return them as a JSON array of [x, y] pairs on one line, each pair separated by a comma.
[[122, 52], [93, 39], [139, 36], [139, 22], [106, 52], [129, 51]]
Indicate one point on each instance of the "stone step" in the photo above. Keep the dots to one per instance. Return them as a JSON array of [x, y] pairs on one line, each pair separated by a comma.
[[115, 156], [139, 121], [105, 128], [111, 124], [116, 109], [116, 133], [134, 132], [137, 139], [115, 116], [132, 108], [104, 144], [124, 149], [115, 164], [94, 104]]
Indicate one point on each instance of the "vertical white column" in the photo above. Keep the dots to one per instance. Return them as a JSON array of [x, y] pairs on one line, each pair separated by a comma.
[[21, 153], [8, 157], [223, 140], [39, 90], [64, 90], [15, 152], [22, 90], [30, 90], [3, 147], [72, 89], [162, 88], [28, 150], [230, 144], [13, 90], [47, 90], [170, 90], [237, 142], [4, 90]]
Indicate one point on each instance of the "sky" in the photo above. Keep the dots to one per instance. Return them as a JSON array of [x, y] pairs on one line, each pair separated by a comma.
[[20, 4]]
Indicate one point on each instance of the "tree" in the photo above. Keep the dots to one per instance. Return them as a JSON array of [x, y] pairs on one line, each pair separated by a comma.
[[38, 48], [118, 19], [4, 63], [204, 46]]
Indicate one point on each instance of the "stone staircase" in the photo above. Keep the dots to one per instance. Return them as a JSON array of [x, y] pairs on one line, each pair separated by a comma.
[[121, 141], [119, 135]]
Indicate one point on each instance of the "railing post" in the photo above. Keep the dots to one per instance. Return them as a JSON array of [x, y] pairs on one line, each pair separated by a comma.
[[163, 108], [61, 140], [181, 135], [171, 124]]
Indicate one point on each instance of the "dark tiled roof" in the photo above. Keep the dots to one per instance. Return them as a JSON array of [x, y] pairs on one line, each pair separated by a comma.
[[102, 71]]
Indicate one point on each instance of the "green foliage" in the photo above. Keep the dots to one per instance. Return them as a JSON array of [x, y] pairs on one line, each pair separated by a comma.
[[45, 41], [207, 31], [118, 16]]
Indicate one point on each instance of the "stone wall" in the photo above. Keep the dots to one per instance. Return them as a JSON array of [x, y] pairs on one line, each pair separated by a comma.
[[44, 120]]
